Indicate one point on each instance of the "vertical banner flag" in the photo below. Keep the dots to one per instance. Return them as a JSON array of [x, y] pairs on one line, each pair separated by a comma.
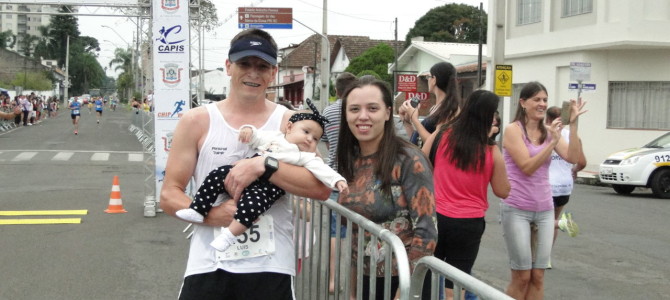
[[170, 43]]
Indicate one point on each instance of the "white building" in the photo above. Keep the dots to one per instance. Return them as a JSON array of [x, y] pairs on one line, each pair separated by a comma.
[[20, 23], [420, 56], [625, 41]]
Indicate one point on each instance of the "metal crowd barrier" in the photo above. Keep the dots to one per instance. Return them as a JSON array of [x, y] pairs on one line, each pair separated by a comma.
[[460, 279], [7, 124], [311, 281]]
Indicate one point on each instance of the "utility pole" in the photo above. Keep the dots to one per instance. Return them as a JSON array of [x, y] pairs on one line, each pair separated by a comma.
[[324, 86], [395, 76], [325, 60], [66, 83], [479, 56]]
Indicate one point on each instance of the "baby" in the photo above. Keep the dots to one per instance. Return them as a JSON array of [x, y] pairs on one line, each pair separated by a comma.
[[297, 147]]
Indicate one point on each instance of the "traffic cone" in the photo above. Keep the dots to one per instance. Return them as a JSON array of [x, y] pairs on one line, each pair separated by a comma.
[[115, 203]]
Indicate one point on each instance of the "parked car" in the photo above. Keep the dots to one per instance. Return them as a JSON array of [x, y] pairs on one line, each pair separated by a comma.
[[648, 166]]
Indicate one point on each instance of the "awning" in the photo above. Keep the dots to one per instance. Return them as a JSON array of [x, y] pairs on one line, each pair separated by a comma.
[[283, 84]]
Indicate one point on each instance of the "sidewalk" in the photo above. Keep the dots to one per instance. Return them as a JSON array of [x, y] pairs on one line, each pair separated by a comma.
[[588, 176]]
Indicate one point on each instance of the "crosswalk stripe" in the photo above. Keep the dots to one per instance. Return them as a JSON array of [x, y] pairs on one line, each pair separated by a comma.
[[135, 157], [62, 156], [23, 156], [100, 156]]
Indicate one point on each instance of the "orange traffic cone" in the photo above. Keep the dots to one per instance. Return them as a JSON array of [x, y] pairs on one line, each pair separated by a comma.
[[115, 203]]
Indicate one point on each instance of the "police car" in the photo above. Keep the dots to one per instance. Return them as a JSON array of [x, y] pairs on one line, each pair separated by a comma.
[[648, 166]]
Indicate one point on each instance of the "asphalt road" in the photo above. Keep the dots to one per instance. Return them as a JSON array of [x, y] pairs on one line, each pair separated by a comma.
[[622, 251], [107, 256]]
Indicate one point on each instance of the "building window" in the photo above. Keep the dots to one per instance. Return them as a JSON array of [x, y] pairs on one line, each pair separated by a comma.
[[576, 7], [529, 11], [639, 105], [8, 6]]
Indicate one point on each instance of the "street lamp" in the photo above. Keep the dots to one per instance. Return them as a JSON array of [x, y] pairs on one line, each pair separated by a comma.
[[133, 64]]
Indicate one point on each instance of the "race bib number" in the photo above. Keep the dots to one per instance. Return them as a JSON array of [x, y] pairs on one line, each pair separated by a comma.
[[75, 112], [98, 106], [258, 240]]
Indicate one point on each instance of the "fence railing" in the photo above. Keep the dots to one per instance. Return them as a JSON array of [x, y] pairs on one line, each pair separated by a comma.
[[440, 269], [312, 280]]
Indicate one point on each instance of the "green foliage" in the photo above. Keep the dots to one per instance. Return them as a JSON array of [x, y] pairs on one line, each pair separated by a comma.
[[455, 23], [376, 60], [85, 73], [7, 39], [208, 16], [37, 81], [368, 72]]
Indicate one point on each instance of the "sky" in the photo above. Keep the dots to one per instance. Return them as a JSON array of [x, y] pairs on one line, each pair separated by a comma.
[[373, 18]]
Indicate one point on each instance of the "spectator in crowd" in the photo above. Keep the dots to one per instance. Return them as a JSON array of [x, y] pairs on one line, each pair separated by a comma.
[[442, 83], [205, 138], [528, 144], [333, 113], [465, 162], [561, 178], [390, 179]]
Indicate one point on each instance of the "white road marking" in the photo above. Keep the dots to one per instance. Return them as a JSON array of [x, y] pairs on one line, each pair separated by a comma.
[[24, 156], [63, 156], [135, 156], [100, 156]]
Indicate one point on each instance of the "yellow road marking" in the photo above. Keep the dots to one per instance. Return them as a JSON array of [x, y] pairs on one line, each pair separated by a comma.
[[39, 221], [43, 212]]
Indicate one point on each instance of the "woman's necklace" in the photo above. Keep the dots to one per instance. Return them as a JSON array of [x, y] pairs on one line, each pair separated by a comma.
[[530, 137]]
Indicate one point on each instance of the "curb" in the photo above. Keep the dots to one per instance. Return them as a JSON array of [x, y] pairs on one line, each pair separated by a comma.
[[589, 178]]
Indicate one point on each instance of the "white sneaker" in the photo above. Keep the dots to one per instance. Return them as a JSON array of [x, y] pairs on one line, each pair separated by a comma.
[[190, 215], [224, 240]]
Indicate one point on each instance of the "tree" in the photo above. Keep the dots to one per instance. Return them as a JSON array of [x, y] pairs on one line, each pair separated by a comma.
[[38, 81], [47, 45], [86, 73], [376, 60], [123, 61], [456, 23], [7, 39], [26, 43]]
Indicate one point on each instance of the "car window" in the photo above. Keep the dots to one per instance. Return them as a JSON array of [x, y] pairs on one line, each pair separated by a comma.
[[661, 142]]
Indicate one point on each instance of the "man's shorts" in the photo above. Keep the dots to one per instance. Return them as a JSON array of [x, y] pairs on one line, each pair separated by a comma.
[[221, 284], [74, 116]]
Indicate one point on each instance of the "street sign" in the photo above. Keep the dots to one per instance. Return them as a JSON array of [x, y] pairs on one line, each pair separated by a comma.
[[585, 86], [406, 83], [265, 17], [580, 71], [503, 80], [419, 95]]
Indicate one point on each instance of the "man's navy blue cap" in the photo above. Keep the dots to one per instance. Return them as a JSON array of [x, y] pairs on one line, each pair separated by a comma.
[[253, 46]]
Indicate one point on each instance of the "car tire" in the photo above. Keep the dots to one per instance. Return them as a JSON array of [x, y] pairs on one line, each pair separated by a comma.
[[660, 184], [623, 189]]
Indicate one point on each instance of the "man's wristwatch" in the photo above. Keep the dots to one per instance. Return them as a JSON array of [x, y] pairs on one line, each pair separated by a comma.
[[271, 166]]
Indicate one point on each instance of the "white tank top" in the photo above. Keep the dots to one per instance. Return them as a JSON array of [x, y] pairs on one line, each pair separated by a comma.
[[221, 147], [560, 172]]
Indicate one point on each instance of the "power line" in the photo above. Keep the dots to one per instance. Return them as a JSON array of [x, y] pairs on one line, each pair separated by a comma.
[[345, 15]]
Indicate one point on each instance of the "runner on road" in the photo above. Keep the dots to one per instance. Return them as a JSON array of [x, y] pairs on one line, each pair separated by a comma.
[[98, 108], [75, 113]]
